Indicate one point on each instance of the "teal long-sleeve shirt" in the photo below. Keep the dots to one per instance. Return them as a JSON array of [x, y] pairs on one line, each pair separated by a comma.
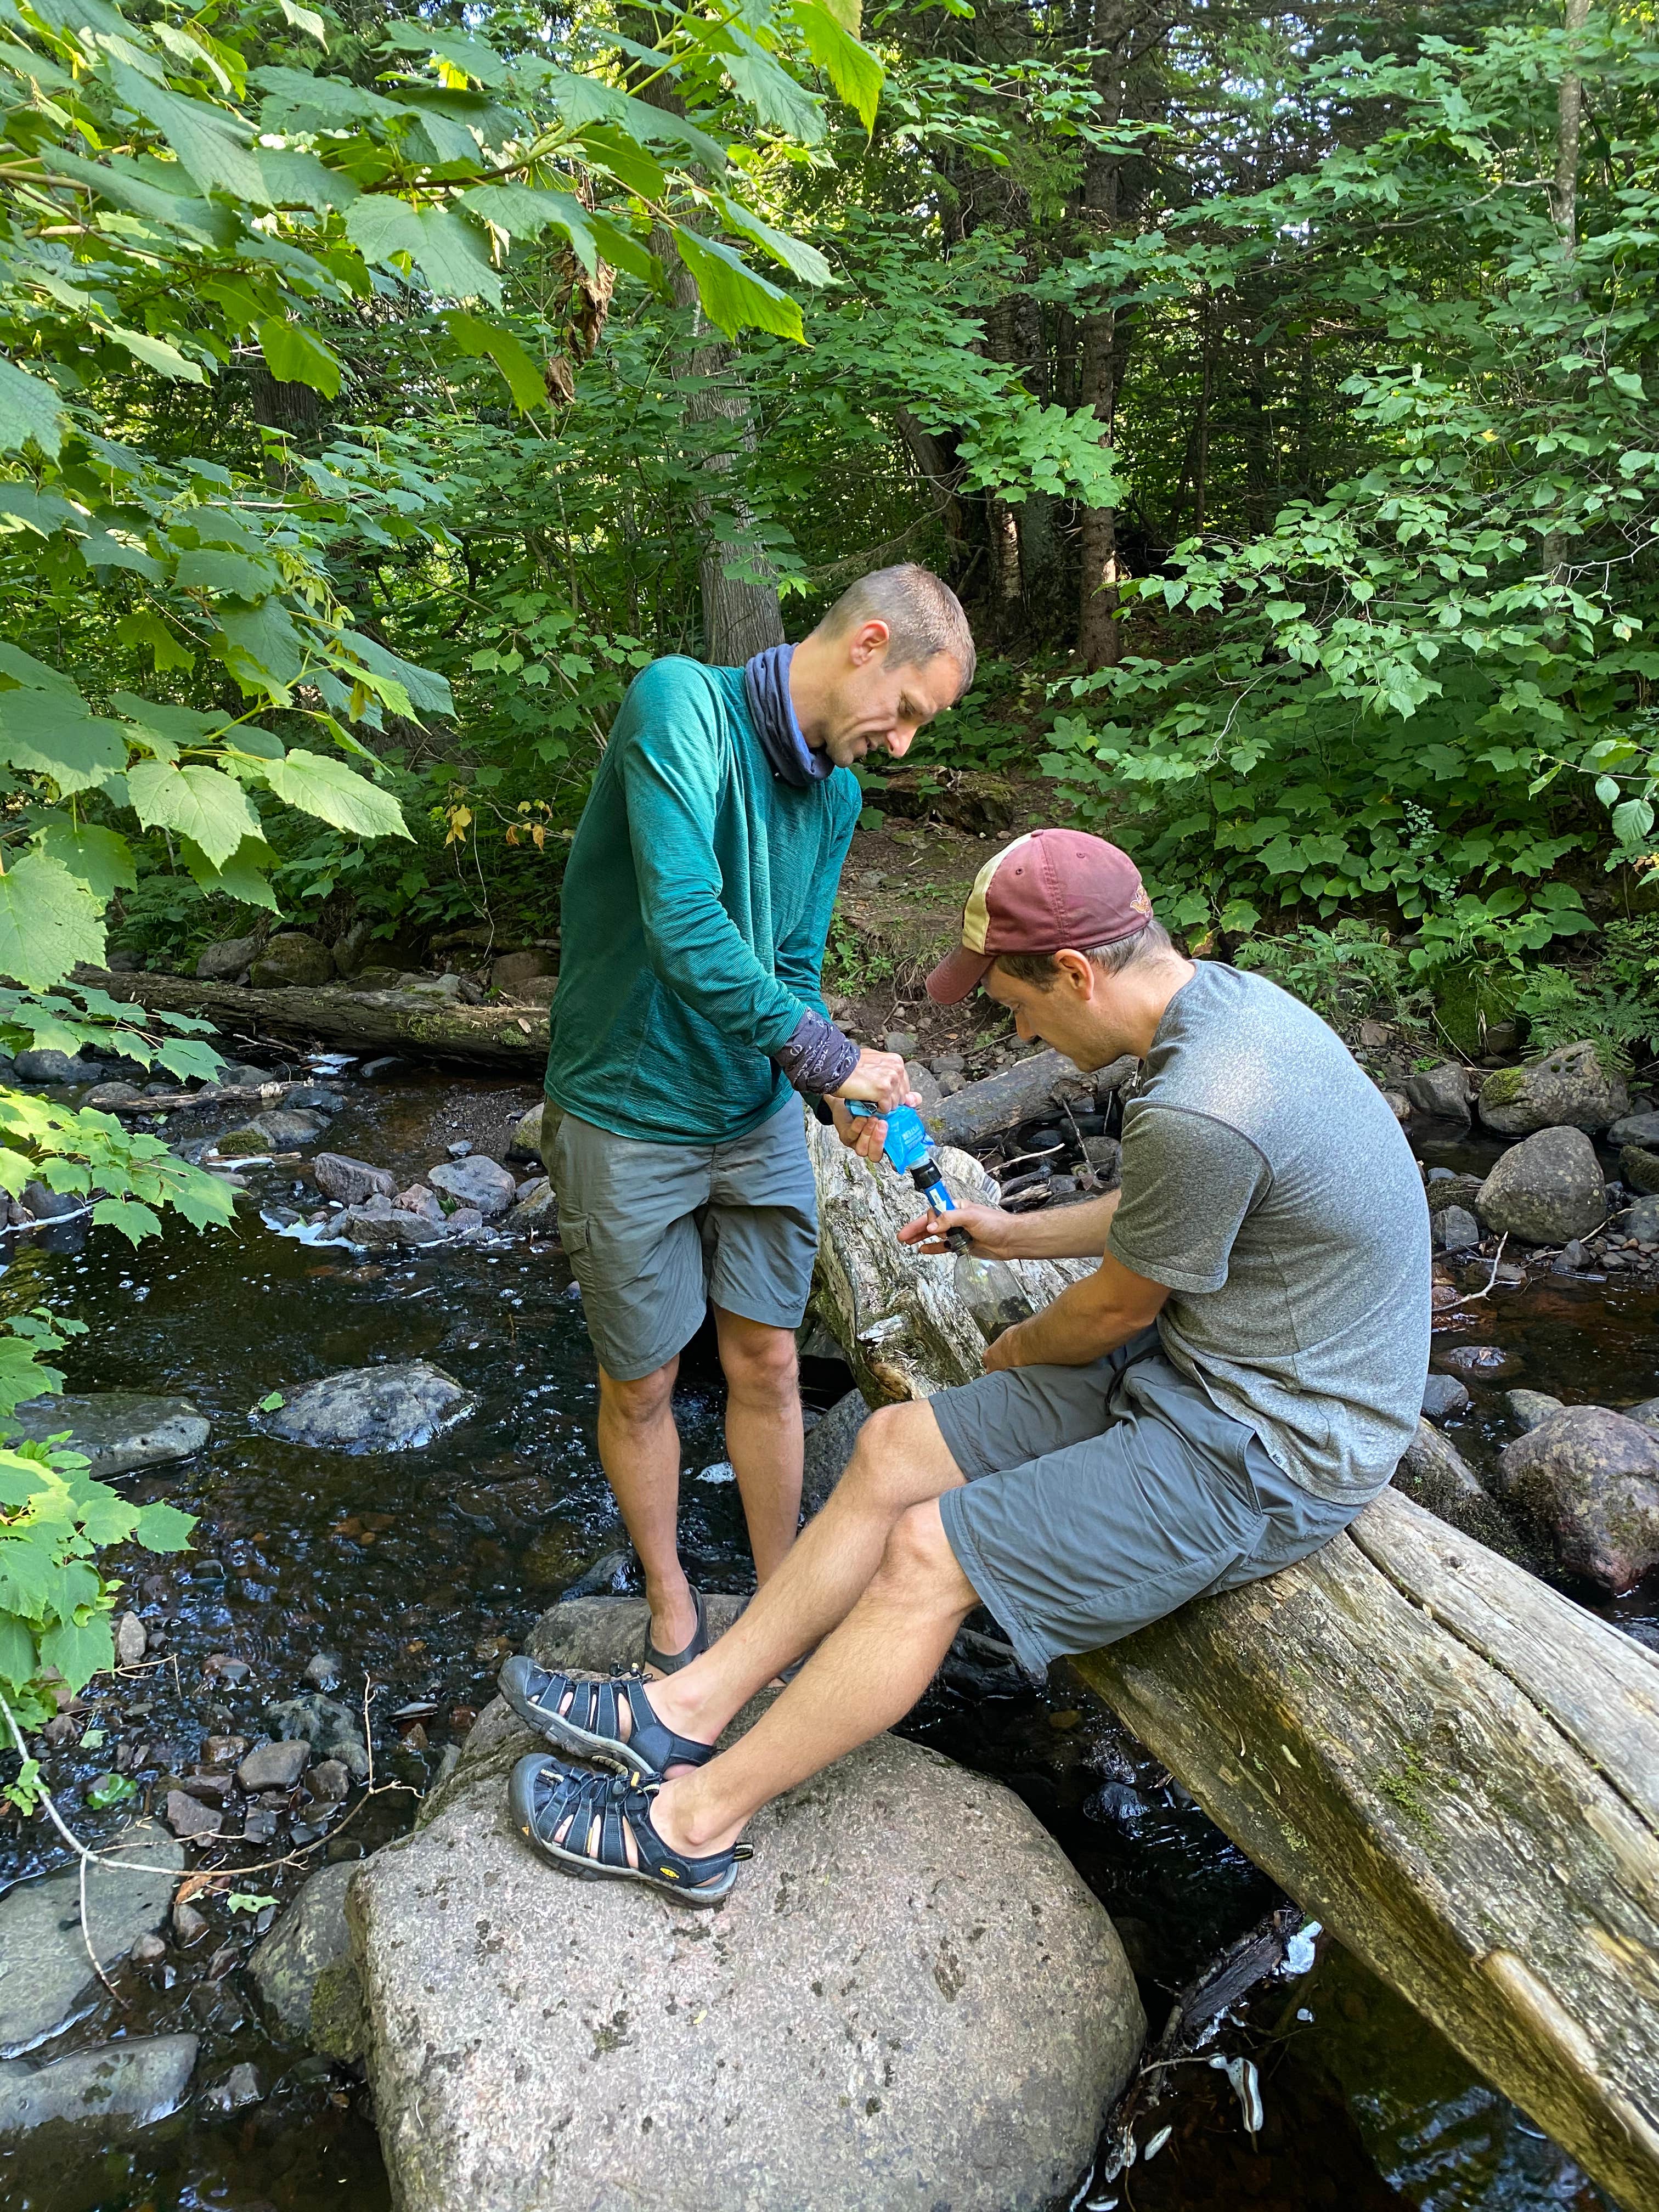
[[697, 907]]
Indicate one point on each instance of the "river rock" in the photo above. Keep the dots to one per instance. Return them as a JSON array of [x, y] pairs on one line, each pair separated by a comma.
[[829, 1447], [283, 1128], [1638, 1166], [910, 2001], [338, 1176], [1442, 1092], [1546, 1190], [926, 1085], [112, 2090], [378, 1232], [1568, 1088], [526, 1142], [224, 960], [46, 1065], [1448, 1189], [513, 970], [1591, 1478], [105, 1098], [1444, 1395], [274, 1766], [117, 1430], [1529, 1407], [537, 1208], [331, 1727], [310, 1938], [1641, 1220], [361, 1409], [1453, 1229], [292, 957], [476, 1182], [1028, 1087], [46, 1976]]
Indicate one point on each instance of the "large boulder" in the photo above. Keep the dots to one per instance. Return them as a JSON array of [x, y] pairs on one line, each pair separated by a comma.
[[537, 1209], [109, 2091], [477, 1181], [1442, 1092], [514, 971], [338, 1176], [365, 1409], [910, 2001], [117, 1430], [1434, 1475], [47, 1979], [1030, 1086], [292, 957], [1546, 1190], [48, 1065], [1568, 1088], [1635, 1129], [223, 962], [1591, 1479], [378, 1230], [828, 1447], [1638, 1166]]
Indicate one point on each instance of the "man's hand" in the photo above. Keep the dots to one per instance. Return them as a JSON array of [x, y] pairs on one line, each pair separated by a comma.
[[988, 1227], [1003, 1352], [882, 1079]]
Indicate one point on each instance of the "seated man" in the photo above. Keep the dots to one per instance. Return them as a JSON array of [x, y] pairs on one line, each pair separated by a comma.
[[1238, 1377]]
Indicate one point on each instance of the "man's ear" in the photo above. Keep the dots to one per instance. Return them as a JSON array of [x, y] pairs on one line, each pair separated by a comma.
[[1079, 972], [869, 638]]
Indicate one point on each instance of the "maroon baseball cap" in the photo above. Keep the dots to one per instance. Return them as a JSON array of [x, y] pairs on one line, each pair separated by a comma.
[[1048, 891]]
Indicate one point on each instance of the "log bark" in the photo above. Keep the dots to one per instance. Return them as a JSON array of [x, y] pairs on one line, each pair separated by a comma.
[[1453, 1767], [506, 1038]]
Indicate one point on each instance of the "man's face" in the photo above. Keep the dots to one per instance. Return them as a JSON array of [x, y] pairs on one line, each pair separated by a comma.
[[874, 708], [1074, 1015]]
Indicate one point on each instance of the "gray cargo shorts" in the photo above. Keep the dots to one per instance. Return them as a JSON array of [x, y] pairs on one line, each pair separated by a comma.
[[657, 1233], [1099, 1499]]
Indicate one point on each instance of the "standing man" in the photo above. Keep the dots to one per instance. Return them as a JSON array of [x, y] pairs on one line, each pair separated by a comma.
[[1226, 1390], [690, 1011]]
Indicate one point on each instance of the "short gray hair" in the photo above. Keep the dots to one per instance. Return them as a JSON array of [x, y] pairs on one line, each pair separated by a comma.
[[1149, 944], [923, 616]]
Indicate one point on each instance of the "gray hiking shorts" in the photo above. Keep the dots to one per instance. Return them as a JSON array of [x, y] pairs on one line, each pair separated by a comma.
[[657, 1233], [1099, 1499]]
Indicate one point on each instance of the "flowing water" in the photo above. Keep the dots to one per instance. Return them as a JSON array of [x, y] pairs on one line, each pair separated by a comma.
[[419, 1570]]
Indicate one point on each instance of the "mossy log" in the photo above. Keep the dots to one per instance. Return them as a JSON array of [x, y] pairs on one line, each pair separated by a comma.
[[507, 1039], [1452, 1766]]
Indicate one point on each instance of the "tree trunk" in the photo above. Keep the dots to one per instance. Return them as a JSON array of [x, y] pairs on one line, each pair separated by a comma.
[[501, 1037], [1570, 110], [1451, 1766], [740, 614], [1098, 636]]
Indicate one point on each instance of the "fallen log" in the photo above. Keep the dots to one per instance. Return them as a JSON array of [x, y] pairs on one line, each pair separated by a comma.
[[1451, 1765], [508, 1038]]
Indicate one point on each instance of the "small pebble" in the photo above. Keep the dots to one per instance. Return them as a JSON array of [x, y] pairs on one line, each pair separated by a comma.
[[460, 1148], [189, 1926], [148, 1950]]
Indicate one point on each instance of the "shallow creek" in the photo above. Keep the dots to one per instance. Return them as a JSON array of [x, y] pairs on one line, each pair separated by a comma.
[[420, 1568]]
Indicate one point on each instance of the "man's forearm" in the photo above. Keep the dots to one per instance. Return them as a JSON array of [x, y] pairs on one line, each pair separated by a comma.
[[1060, 1232], [1078, 1327]]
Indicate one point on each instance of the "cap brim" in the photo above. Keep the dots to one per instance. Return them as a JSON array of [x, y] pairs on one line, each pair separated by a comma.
[[958, 975]]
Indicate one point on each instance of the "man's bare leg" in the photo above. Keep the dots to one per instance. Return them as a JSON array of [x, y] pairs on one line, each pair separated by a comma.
[[640, 1452], [901, 1459], [866, 1675], [763, 1431]]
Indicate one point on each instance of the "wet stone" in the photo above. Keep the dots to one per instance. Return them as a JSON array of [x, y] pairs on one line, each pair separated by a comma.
[[352, 1182], [389, 1409], [44, 1973], [329, 1781], [189, 1926], [324, 1669], [1545, 1189], [188, 1817], [110, 2092], [1591, 1478], [1442, 1092], [477, 1182], [1444, 1395], [239, 2086], [1529, 1407], [1454, 1230], [273, 1766]]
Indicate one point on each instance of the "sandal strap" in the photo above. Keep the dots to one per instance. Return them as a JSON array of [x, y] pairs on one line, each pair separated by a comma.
[[654, 1738], [579, 1795]]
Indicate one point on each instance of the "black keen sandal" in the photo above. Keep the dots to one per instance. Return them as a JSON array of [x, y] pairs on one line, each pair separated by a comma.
[[670, 1663], [582, 1821], [584, 1719]]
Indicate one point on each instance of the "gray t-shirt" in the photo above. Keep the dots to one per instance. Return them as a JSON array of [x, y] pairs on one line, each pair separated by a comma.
[[1267, 1181]]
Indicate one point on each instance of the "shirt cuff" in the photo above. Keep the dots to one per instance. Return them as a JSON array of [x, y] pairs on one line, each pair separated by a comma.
[[817, 1056]]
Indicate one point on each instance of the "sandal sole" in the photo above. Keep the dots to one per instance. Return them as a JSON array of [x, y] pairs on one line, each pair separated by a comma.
[[520, 1799]]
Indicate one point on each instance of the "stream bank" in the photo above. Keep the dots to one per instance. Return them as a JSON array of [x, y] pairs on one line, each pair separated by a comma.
[[420, 1568]]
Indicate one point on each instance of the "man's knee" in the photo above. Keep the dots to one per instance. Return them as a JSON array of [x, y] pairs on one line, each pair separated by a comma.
[[889, 1447], [641, 1403], [760, 1361], [917, 1561]]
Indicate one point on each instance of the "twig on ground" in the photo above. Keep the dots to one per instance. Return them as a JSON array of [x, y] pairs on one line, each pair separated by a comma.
[[1475, 1297]]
